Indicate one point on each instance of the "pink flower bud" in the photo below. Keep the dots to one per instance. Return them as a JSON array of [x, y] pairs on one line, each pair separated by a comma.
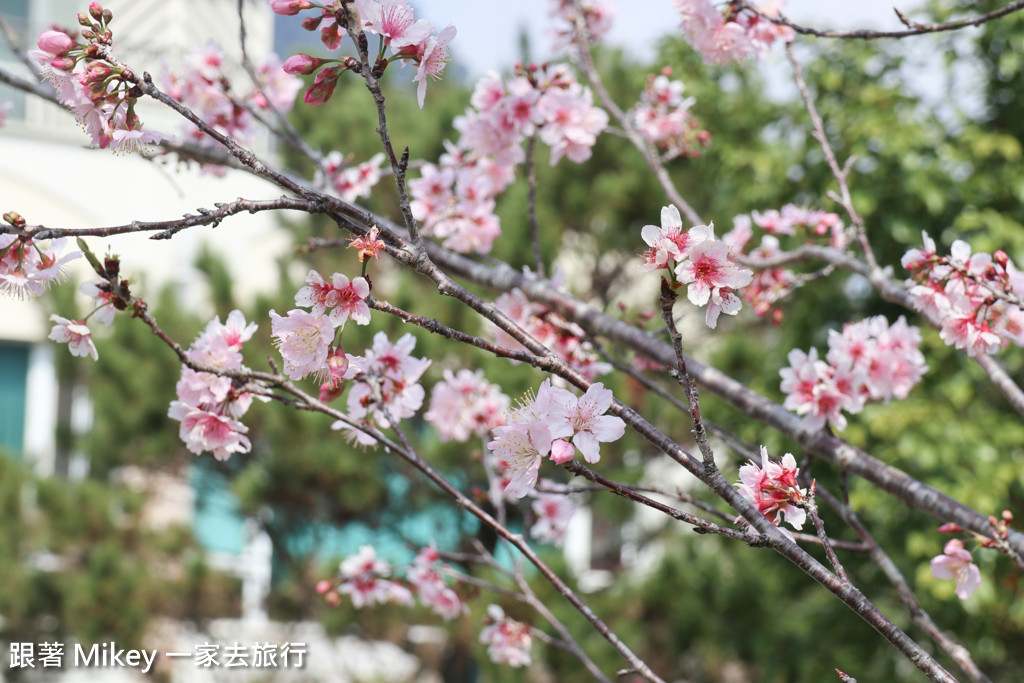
[[95, 11], [562, 451], [55, 42], [950, 528], [323, 87], [289, 7], [301, 64], [1001, 258], [333, 599], [311, 23], [324, 586]]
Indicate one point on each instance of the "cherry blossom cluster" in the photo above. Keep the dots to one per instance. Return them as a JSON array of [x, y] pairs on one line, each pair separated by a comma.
[[410, 41], [201, 85], [597, 17], [352, 182], [798, 224], [564, 338], [100, 93], [28, 268], [554, 424], [731, 34], [384, 385], [306, 340], [508, 641], [696, 259], [772, 488], [869, 360], [368, 580], [663, 117], [455, 199], [976, 298], [209, 406], [464, 404]]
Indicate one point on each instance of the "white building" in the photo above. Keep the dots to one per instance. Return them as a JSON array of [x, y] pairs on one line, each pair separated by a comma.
[[50, 176]]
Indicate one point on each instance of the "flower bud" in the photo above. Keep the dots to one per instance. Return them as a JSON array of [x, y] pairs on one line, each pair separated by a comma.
[[301, 64], [1001, 258], [289, 7], [107, 16], [323, 586], [95, 11], [84, 20], [311, 23], [1007, 516], [323, 87], [950, 528], [333, 599], [55, 42]]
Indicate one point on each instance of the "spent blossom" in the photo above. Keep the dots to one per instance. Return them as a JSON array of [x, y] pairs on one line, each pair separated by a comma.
[[956, 563]]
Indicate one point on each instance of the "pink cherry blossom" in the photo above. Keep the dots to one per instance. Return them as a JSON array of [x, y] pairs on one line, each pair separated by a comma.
[[104, 313], [465, 404], [433, 60], [363, 578], [425, 578], [385, 383], [303, 340], [394, 20], [76, 334], [712, 277], [202, 430], [27, 268], [521, 448], [554, 511], [956, 563], [349, 300], [585, 416], [508, 641], [772, 488]]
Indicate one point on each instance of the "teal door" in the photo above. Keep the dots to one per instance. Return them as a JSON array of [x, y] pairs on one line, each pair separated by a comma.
[[13, 376]]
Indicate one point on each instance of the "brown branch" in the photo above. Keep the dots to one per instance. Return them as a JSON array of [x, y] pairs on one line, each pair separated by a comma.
[[913, 28]]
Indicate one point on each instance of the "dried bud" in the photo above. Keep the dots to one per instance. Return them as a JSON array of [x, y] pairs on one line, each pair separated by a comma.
[[15, 219]]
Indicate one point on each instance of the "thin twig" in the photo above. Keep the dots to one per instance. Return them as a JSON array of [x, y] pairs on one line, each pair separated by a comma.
[[914, 28]]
